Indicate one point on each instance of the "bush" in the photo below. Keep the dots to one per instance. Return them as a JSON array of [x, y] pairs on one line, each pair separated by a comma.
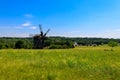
[[1, 46], [112, 44], [55, 47], [60, 46], [19, 44]]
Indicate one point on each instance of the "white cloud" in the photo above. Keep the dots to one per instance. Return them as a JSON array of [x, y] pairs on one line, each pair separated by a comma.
[[33, 27], [28, 15], [26, 24], [111, 33], [15, 35], [18, 27], [20, 35], [104, 34], [108, 34]]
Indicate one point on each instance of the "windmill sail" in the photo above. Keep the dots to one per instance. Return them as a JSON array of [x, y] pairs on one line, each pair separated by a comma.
[[41, 31], [46, 32]]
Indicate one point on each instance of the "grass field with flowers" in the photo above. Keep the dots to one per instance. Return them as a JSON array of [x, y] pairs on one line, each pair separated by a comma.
[[81, 63]]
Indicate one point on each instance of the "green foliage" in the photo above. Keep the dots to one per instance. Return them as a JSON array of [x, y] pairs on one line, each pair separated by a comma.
[[1, 46], [61, 45], [112, 44], [55, 47], [9, 43], [19, 44]]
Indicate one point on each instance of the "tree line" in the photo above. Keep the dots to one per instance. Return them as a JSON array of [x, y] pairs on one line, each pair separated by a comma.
[[52, 42]]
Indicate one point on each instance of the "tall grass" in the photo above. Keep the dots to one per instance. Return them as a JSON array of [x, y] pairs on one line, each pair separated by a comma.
[[83, 63]]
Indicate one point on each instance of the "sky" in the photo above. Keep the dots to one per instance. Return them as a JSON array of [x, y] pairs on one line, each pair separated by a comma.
[[66, 18]]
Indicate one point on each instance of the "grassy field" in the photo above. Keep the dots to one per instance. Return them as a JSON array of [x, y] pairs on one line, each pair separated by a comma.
[[82, 63]]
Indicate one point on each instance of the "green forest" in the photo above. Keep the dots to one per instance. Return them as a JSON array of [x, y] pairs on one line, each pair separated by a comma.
[[52, 42]]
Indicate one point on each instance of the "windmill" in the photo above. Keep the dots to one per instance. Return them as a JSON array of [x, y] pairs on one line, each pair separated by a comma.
[[39, 39]]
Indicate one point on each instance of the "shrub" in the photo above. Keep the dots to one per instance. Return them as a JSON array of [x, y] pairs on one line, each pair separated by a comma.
[[112, 44], [19, 44], [55, 47]]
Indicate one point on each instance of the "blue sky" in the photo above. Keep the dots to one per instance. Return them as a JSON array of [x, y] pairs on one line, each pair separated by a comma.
[[69, 18]]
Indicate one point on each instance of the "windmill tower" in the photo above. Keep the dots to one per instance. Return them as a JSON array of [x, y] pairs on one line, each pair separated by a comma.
[[39, 39]]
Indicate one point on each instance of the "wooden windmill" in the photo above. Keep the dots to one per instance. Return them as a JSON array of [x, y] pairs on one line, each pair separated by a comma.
[[39, 39]]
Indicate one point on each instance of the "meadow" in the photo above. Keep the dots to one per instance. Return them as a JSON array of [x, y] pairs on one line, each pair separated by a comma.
[[81, 63]]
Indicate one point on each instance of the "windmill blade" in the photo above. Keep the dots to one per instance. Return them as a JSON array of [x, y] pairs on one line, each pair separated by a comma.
[[41, 31], [40, 28], [46, 32]]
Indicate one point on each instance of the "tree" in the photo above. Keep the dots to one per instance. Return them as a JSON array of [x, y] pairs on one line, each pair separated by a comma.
[[112, 44], [1, 45], [19, 44]]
